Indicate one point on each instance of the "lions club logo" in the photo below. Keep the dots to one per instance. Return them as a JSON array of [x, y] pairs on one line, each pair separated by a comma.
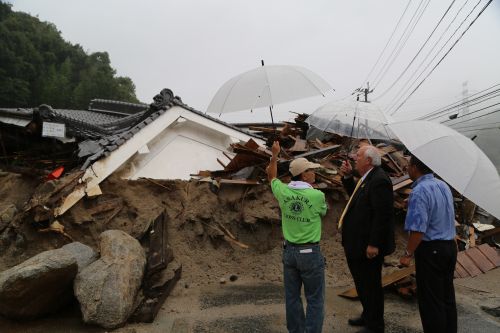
[[296, 207]]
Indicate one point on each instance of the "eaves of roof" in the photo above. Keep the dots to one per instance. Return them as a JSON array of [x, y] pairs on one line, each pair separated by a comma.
[[105, 130]]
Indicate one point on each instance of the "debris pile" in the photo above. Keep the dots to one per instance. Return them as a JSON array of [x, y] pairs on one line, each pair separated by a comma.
[[172, 227], [248, 164]]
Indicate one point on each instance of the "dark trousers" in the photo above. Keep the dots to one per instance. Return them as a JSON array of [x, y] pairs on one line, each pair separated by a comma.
[[435, 265], [367, 275], [304, 266]]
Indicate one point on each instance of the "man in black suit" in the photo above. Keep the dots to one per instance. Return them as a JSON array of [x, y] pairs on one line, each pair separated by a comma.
[[367, 225]]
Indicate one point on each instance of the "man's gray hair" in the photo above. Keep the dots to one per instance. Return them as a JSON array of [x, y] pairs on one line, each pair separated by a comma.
[[373, 154]]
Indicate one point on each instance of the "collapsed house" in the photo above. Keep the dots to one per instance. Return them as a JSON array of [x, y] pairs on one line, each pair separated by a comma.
[[169, 140], [68, 153]]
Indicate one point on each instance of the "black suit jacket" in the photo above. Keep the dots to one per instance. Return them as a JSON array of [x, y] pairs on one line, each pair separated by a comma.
[[369, 219]]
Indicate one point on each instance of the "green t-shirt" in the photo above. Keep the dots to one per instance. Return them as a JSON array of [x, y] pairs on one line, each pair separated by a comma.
[[301, 211]]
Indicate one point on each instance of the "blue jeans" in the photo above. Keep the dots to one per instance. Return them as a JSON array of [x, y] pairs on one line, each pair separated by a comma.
[[304, 265]]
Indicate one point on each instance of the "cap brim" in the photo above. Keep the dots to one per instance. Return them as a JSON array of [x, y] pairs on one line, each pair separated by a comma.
[[312, 165]]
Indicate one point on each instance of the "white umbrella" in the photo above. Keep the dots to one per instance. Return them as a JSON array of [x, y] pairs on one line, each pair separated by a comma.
[[455, 158], [353, 119], [267, 86]]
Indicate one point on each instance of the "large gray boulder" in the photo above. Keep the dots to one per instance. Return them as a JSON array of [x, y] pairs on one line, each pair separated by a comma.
[[83, 254], [38, 286], [107, 288]]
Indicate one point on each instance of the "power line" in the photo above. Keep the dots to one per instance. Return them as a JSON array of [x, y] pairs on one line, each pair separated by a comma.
[[418, 53], [379, 77], [481, 129], [480, 116], [386, 44], [465, 115], [476, 125], [444, 56], [404, 88], [450, 106], [481, 99]]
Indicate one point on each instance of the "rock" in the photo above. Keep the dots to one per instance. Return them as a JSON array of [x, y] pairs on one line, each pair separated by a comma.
[[7, 214], [107, 288], [38, 286], [233, 277], [84, 255], [20, 243], [5, 240], [222, 280]]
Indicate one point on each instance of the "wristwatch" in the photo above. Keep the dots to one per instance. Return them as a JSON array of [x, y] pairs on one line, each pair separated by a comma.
[[408, 254]]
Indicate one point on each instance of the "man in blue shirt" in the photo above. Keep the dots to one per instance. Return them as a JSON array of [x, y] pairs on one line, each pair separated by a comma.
[[430, 221]]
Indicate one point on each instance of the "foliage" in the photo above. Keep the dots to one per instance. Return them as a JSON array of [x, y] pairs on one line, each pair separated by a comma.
[[37, 66]]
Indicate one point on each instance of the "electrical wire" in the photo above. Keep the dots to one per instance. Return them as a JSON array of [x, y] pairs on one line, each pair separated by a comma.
[[452, 105], [442, 58], [480, 129], [480, 116], [399, 48], [481, 99], [418, 53], [476, 125], [406, 88], [386, 44], [402, 90]]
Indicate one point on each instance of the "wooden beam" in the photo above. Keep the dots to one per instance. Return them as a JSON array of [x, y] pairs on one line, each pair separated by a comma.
[[401, 185], [240, 181], [386, 280], [489, 233], [227, 155]]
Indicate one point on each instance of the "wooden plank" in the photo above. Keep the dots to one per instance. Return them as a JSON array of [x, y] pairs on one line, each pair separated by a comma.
[[397, 180], [300, 145], [351, 293], [397, 275], [405, 191], [401, 184], [479, 259], [489, 233], [472, 238], [158, 256], [394, 162], [386, 280], [262, 129], [460, 271], [491, 253], [240, 181], [227, 155], [468, 264], [319, 151]]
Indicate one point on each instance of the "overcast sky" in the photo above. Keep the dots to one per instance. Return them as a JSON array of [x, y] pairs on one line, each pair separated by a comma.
[[193, 47]]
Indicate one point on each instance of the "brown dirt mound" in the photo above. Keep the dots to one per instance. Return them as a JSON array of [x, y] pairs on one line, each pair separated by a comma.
[[197, 213]]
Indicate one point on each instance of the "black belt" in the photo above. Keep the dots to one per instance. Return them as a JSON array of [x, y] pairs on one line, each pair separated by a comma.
[[299, 245]]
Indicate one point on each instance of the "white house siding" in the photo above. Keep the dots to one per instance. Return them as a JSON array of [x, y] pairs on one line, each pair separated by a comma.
[[180, 150]]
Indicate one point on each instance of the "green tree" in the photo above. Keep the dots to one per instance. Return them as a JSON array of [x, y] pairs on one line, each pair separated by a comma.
[[38, 66]]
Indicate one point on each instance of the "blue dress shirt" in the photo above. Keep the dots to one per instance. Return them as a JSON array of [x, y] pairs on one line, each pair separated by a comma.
[[430, 209]]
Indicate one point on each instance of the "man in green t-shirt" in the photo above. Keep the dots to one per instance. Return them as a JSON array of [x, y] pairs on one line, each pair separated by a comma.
[[302, 207]]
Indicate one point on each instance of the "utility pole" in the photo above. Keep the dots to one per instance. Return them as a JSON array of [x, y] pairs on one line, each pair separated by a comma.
[[363, 91]]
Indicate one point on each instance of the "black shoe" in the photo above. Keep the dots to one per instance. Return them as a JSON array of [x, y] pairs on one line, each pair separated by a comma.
[[356, 321]]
